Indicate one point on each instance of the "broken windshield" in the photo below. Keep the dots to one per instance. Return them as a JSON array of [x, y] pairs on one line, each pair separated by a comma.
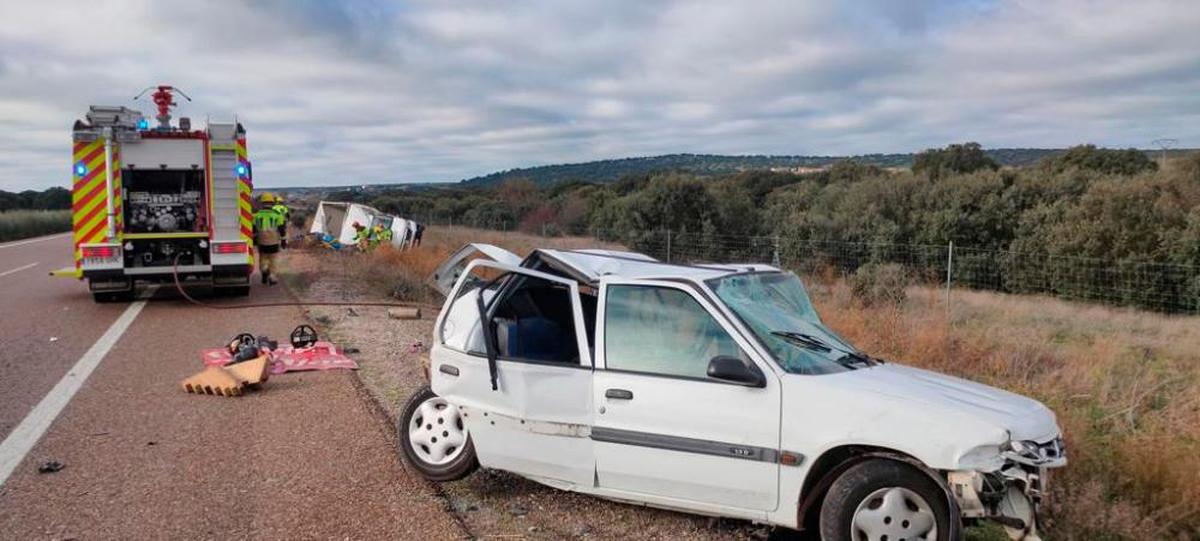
[[777, 309]]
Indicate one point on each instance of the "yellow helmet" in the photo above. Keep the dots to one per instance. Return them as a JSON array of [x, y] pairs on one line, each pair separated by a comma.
[[267, 197]]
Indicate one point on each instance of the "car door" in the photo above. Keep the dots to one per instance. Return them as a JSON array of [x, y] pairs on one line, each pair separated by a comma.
[[663, 429], [533, 416]]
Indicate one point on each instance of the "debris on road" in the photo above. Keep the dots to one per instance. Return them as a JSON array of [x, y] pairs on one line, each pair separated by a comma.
[[404, 313], [53, 338], [50, 466], [229, 380], [319, 356], [303, 336]]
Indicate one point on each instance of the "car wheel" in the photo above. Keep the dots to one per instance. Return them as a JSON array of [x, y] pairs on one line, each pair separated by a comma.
[[434, 439], [884, 500]]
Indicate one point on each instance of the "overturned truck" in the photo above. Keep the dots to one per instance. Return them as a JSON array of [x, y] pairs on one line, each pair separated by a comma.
[[336, 224]]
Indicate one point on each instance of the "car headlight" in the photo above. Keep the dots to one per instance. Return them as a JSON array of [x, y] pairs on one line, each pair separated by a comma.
[[1035, 454], [1024, 448]]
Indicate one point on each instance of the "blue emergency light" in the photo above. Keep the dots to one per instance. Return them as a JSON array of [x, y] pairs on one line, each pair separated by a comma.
[[80, 169], [240, 169], [143, 124]]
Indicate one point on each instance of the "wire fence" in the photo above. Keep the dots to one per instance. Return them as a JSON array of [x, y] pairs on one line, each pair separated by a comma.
[[1162, 287]]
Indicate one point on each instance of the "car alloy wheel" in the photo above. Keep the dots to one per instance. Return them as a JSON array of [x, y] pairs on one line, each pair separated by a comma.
[[893, 514], [436, 432]]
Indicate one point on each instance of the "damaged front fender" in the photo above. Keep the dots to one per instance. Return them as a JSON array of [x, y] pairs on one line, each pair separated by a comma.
[[1009, 496]]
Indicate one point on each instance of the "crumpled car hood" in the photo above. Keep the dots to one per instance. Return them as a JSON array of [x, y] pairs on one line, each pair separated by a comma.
[[1025, 418]]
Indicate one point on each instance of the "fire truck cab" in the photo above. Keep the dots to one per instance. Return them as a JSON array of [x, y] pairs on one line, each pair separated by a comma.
[[152, 203]]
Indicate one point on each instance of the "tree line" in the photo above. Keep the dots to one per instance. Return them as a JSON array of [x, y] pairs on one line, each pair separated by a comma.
[[49, 199], [1088, 202]]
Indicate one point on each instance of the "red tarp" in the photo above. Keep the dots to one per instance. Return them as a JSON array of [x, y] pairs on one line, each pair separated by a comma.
[[320, 356]]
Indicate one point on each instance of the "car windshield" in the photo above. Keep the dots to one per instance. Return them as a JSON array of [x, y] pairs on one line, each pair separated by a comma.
[[778, 310]]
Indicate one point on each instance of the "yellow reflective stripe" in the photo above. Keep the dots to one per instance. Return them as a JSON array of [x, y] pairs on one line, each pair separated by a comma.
[[96, 220], [91, 185], [97, 162], [87, 149], [98, 201]]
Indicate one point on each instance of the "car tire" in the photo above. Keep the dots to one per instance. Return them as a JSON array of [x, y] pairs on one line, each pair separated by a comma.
[[885, 500], [452, 459]]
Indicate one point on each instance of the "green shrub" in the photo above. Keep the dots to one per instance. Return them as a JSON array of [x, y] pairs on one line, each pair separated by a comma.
[[880, 284]]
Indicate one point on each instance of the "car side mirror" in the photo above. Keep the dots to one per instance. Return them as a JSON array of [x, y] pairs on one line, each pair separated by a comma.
[[733, 370]]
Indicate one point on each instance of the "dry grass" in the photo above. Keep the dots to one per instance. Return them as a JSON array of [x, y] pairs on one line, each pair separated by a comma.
[[1125, 384]]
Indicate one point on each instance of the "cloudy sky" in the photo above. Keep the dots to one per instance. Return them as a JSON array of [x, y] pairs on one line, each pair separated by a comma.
[[382, 91]]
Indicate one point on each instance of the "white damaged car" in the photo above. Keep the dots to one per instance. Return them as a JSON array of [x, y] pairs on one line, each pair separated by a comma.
[[712, 389]]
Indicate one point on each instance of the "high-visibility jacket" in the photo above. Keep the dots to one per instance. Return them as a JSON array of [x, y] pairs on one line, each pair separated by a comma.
[[269, 227], [283, 210]]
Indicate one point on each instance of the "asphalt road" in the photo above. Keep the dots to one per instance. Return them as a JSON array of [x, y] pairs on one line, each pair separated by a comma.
[[309, 456]]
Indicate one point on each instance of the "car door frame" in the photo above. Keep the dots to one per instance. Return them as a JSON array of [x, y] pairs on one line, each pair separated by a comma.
[[767, 449], [537, 421]]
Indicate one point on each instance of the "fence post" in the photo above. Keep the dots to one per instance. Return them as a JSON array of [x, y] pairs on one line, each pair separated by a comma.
[[949, 273], [775, 252], [668, 245]]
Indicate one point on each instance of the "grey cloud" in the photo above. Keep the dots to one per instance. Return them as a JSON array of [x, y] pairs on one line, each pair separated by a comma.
[[381, 91]]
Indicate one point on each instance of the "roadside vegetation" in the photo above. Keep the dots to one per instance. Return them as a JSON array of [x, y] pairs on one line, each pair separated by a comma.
[[33, 213], [1124, 383], [20, 224], [1115, 206]]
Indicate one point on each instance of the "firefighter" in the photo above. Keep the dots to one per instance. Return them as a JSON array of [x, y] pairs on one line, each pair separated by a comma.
[[361, 236], [270, 230], [286, 212]]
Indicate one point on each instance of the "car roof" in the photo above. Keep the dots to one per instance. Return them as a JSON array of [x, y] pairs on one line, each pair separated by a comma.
[[591, 265]]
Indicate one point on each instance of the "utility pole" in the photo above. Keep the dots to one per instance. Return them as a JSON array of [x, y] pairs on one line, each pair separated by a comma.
[[1164, 144]]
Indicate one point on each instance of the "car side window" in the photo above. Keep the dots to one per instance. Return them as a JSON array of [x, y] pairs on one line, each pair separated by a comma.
[[532, 319], [661, 330]]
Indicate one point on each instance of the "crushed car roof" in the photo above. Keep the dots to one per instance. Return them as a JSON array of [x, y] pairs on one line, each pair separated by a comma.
[[587, 266], [591, 265]]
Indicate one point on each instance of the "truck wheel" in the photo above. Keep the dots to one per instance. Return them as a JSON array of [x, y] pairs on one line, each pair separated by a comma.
[[884, 500], [433, 438]]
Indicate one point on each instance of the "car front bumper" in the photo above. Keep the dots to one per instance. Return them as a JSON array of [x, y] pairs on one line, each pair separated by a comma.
[[1010, 495]]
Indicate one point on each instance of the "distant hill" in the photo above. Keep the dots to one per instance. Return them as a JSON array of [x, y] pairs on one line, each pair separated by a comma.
[[711, 164]]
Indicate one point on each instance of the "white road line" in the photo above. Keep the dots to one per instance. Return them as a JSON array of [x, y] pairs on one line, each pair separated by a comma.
[[22, 439], [31, 241], [18, 269]]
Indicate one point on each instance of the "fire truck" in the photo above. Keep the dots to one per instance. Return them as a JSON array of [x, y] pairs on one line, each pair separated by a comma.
[[156, 203]]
